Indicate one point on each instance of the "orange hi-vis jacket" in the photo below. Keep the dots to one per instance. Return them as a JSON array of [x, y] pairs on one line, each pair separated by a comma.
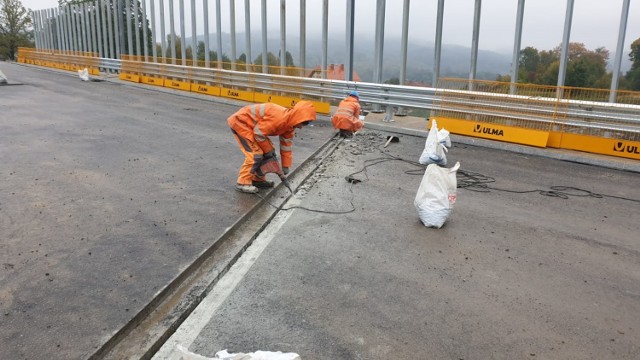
[[347, 117], [257, 122]]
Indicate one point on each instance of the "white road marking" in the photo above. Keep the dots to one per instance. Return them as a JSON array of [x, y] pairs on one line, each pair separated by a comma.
[[200, 317]]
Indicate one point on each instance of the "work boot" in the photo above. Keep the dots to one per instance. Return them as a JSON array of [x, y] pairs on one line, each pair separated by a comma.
[[264, 184], [248, 189]]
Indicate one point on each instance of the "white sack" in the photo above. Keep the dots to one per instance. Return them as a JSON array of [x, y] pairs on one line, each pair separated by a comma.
[[444, 138], [84, 74], [434, 151], [436, 195], [225, 355]]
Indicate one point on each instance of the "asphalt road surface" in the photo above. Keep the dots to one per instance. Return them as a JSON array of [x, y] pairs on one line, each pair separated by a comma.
[[509, 276], [107, 192]]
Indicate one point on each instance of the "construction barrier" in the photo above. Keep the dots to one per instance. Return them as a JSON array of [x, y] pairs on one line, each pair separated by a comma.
[[56, 59], [542, 116], [133, 69]]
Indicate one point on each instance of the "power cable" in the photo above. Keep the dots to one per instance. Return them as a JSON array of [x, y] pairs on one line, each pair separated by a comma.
[[478, 182], [469, 180]]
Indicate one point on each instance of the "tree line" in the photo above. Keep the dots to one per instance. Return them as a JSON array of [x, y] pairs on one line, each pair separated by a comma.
[[585, 68]]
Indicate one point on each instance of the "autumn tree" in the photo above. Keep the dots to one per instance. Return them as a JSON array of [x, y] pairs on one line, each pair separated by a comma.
[[633, 75], [585, 68], [15, 28]]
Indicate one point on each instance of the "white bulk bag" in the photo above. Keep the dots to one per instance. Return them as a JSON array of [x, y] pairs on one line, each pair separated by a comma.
[[436, 195], [434, 151], [444, 138], [84, 74]]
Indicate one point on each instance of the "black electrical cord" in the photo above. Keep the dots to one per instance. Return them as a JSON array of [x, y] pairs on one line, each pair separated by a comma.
[[477, 182], [468, 180]]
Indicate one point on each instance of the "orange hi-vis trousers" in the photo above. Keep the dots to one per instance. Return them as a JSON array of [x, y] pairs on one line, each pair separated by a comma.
[[252, 155]]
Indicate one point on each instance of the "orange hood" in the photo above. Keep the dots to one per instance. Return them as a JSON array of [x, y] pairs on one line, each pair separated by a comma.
[[301, 112]]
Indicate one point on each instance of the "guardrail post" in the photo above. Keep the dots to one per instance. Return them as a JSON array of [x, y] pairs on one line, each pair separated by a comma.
[[283, 37], [403, 50], [379, 48], [232, 32], [618, 60], [474, 43], [515, 60], [388, 117], [303, 36], [247, 35], [207, 57]]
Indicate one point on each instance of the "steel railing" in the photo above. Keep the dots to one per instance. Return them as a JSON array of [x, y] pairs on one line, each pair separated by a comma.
[[542, 108]]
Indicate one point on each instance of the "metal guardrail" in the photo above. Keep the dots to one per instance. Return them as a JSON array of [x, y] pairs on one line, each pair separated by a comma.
[[541, 112], [388, 95]]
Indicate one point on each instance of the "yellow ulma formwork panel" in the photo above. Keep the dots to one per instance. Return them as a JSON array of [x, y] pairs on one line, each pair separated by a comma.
[[597, 145], [321, 107], [205, 89], [237, 94], [495, 132], [130, 77], [175, 84], [151, 80], [554, 139]]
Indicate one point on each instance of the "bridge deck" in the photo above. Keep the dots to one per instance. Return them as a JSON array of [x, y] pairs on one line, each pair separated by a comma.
[[108, 191]]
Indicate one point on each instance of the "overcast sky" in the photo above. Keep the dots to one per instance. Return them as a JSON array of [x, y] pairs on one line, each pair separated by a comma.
[[595, 22]]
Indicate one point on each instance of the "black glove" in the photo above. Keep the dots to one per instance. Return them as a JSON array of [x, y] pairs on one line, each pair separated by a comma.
[[269, 155]]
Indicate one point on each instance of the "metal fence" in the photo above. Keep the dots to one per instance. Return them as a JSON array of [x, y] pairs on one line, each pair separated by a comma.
[[549, 108]]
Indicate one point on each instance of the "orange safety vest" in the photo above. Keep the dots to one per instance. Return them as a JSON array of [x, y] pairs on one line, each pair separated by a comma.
[[347, 117], [257, 122]]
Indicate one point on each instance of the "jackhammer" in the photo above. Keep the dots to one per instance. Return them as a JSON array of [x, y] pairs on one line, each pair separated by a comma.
[[271, 165]]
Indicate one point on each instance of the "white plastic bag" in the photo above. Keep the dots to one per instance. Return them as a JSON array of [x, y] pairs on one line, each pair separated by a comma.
[[444, 138], [436, 195], [84, 74], [434, 151]]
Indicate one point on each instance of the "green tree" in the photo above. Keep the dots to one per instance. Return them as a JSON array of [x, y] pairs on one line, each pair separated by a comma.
[[528, 64], [585, 68], [15, 28], [272, 60], [633, 75]]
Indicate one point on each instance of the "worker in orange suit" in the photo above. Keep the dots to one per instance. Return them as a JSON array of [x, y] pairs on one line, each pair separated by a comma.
[[347, 117], [251, 127]]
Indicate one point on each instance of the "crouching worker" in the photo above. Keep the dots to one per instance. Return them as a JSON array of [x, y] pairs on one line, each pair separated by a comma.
[[251, 127], [347, 117]]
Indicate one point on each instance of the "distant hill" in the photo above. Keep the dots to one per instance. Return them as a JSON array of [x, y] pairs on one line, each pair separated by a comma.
[[455, 62]]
